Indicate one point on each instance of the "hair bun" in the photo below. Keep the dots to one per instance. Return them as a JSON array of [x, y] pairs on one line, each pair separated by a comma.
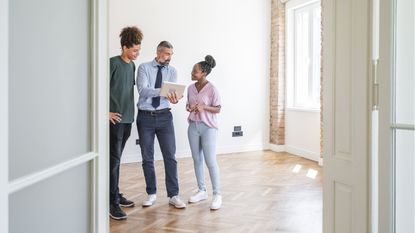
[[210, 61]]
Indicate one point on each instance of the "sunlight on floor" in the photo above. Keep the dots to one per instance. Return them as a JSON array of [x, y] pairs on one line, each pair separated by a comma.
[[312, 173], [297, 168]]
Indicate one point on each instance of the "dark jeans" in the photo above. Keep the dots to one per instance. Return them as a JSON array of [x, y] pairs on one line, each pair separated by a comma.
[[160, 125], [119, 133]]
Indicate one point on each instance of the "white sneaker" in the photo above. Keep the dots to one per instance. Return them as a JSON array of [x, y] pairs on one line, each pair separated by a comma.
[[199, 196], [216, 202], [151, 199], [176, 202]]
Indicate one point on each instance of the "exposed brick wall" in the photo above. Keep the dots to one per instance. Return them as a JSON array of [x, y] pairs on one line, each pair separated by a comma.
[[277, 74], [321, 87]]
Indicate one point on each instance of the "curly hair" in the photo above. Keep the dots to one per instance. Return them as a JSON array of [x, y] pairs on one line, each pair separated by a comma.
[[131, 36]]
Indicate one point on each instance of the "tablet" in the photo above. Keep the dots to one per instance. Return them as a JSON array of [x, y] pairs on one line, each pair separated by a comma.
[[170, 87]]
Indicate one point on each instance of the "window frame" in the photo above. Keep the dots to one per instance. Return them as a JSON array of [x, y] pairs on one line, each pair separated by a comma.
[[291, 90]]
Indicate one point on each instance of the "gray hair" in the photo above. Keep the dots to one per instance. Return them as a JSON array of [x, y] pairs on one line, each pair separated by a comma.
[[164, 44]]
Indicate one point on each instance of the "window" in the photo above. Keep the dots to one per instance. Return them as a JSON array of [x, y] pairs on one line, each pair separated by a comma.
[[303, 54]]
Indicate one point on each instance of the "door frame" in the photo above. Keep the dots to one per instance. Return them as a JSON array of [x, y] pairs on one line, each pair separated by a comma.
[[385, 71], [4, 116], [98, 157], [100, 73], [387, 121]]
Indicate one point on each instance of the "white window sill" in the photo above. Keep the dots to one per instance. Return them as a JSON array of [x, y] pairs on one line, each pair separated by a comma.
[[297, 109]]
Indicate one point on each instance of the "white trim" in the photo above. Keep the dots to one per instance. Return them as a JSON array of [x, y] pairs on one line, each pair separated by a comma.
[[244, 148], [277, 148], [374, 161], [403, 126], [4, 118], [321, 161], [302, 153], [95, 129], [93, 94], [291, 90], [305, 109], [101, 123], [34, 178], [134, 158], [385, 70], [374, 184], [293, 4]]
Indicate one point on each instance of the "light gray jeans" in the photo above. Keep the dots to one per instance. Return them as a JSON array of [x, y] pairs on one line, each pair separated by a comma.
[[202, 140]]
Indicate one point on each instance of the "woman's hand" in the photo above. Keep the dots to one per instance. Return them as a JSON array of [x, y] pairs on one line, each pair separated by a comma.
[[115, 117], [191, 108], [199, 107]]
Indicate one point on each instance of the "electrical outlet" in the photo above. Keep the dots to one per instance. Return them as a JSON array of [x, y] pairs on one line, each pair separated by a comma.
[[237, 134], [137, 141]]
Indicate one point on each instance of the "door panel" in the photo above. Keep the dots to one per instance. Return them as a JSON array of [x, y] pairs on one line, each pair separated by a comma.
[[345, 115], [49, 83], [405, 62], [405, 181], [59, 204], [403, 117], [343, 212], [57, 153], [343, 68], [54, 118]]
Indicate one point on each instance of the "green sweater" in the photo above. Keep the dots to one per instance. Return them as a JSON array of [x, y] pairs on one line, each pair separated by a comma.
[[122, 88]]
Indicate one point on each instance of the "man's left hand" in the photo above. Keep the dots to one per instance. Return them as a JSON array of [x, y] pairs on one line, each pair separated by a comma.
[[173, 98]]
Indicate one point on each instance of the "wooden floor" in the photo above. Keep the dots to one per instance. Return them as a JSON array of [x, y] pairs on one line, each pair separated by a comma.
[[262, 191]]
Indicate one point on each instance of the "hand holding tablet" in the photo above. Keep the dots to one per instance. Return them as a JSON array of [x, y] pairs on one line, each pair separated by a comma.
[[170, 87]]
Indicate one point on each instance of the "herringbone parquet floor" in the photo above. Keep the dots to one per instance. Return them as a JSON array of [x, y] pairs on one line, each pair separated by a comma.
[[262, 191]]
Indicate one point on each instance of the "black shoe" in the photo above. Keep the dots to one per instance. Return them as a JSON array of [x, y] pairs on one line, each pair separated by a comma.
[[124, 202], [117, 213]]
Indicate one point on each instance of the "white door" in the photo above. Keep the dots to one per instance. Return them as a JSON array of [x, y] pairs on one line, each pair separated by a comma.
[[397, 117], [346, 110], [53, 66]]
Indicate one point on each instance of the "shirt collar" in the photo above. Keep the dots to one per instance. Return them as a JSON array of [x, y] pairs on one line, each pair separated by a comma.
[[154, 63]]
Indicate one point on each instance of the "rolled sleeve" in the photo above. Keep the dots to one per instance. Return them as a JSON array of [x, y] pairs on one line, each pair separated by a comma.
[[144, 86]]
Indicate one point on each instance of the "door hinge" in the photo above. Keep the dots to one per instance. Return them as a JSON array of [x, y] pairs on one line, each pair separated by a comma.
[[375, 85]]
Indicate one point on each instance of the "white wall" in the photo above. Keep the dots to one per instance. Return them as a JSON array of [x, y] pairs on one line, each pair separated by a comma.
[[302, 133], [236, 33]]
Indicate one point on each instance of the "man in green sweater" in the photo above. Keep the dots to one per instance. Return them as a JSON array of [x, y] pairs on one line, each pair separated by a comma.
[[121, 115]]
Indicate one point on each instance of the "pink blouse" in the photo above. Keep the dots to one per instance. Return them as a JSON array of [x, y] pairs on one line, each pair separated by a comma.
[[209, 96]]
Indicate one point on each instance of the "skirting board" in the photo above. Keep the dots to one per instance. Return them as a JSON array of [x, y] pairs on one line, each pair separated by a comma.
[[134, 158], [303, 153], [320, 161], [277, 148]]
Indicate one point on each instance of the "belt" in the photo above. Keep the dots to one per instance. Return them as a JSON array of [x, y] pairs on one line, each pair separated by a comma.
[[156, 112]]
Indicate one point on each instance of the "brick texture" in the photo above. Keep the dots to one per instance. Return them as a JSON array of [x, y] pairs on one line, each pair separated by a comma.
[[321, 87], [277, 74]]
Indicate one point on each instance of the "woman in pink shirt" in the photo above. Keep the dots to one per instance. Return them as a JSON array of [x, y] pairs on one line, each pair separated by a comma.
[[203, 104]]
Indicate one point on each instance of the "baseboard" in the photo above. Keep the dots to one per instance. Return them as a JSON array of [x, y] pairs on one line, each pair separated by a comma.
[[241, 148], [320, 161], [130, 158], [277, 148], [303, 153], [134, 158]]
